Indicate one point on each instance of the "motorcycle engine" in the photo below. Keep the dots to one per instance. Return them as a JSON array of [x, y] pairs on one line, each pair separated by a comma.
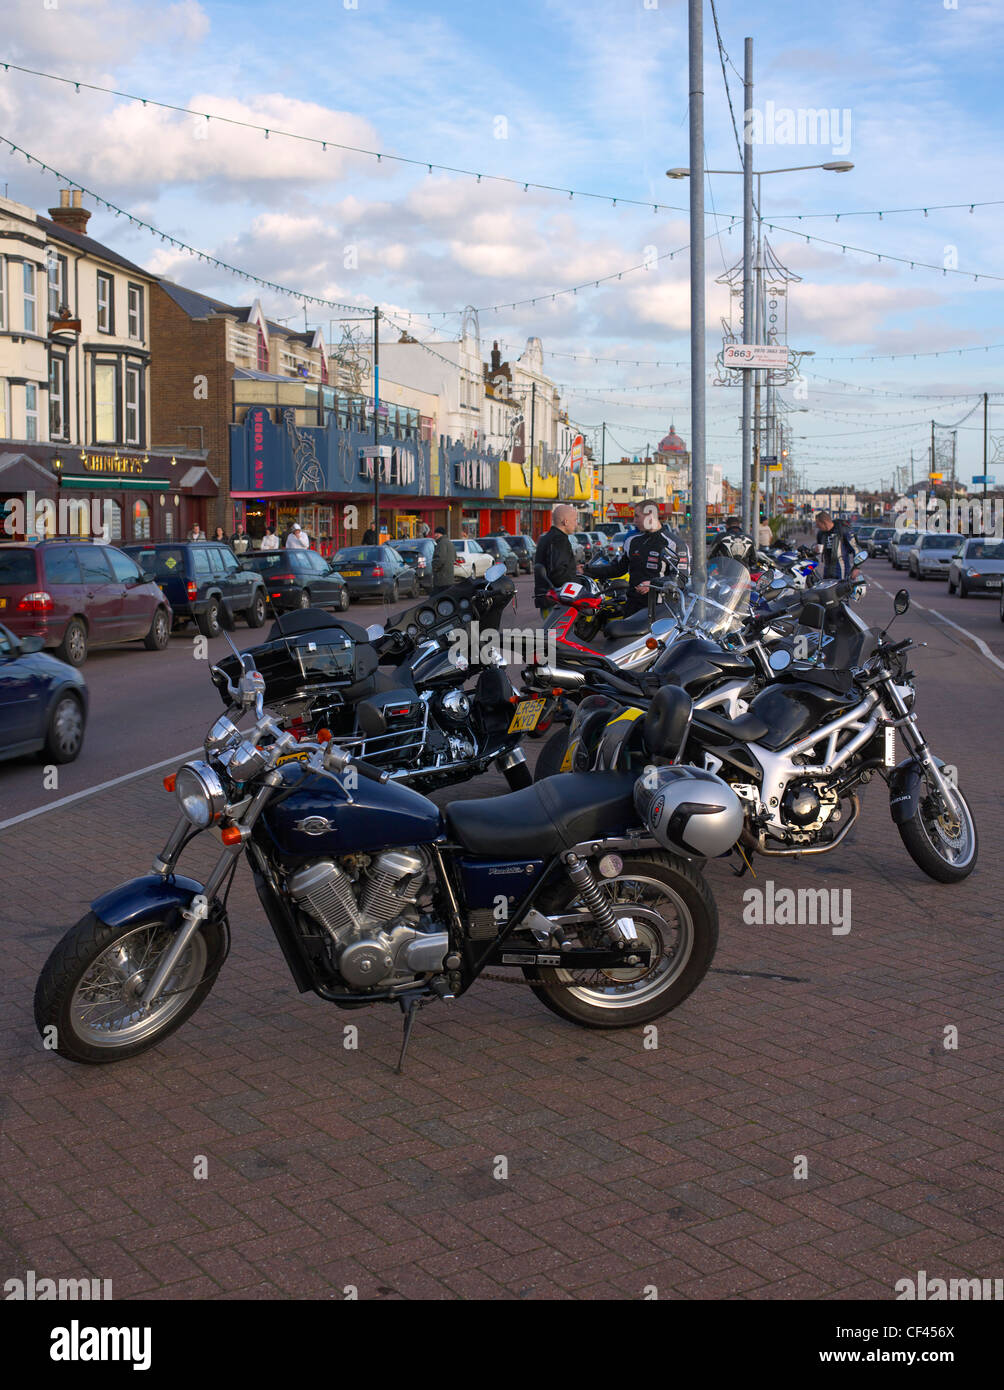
[[454, 708], [808, 805], [373, 917]]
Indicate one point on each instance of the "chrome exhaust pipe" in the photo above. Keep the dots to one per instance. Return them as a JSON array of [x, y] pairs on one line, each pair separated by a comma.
[[560, 675]]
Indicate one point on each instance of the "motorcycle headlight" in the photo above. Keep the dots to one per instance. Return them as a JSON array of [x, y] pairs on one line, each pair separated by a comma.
[[200, 794]]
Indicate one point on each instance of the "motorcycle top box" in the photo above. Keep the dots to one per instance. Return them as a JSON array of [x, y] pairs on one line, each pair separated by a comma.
[[339, 655]]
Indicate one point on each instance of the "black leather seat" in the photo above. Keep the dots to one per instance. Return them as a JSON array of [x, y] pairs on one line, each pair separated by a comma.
[[633, 626], [548, 817]]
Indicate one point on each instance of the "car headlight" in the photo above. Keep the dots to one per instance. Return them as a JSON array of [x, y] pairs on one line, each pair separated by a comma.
[[200, 794], [972, 574]]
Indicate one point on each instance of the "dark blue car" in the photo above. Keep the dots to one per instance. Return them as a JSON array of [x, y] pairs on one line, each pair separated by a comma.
[[43, 701]]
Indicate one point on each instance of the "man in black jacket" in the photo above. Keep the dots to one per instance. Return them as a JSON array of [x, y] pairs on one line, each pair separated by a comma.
[[554, 562], [649, 554]]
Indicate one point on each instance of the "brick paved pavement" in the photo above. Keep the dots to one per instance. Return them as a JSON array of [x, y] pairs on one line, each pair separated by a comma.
[[627, 1167]]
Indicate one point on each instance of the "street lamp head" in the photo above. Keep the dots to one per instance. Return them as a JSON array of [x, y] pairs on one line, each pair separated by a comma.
[[839, 166], [678, 173]]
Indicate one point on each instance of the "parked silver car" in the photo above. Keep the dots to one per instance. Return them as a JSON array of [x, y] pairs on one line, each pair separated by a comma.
[[931, 556], [900, 545], [978, 567]]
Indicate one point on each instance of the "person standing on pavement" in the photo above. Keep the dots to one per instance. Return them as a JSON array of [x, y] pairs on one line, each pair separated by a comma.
[[239, 541], [734, 544], [297, 538], [369, 537], [196, 533], [764, 535], [836, 544], [649, 554], [554, 562], [270, 541], [444, 560]]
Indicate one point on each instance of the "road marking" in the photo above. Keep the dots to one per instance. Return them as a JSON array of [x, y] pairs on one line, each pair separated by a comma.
[[101, 787], [978, 642]]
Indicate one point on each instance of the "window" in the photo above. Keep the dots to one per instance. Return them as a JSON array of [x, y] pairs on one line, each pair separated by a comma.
[[61, 565], [106, 304], [3, 291], [57, 398], [4, 409], [201, 567], [140, 520], [262, 352], [133, 388], [30, 410], [57, 283], [106, 380], [122, 567], [93, 565], [111, 515], [135, 314], [169, 525], [30, 298]]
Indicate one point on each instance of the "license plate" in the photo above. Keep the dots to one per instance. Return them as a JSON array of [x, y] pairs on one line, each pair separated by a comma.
[[994, 583], [526, 716], [352, 574]]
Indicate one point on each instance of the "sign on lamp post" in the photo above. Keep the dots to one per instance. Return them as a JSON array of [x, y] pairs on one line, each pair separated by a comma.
[[756, 355]]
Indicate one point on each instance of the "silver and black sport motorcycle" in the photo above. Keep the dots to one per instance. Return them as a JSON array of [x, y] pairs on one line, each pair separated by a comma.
[[813, 738], [375, 894]]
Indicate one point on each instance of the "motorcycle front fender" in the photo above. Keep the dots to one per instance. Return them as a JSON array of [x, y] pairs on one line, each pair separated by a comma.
[[141, 898], [905, 783]]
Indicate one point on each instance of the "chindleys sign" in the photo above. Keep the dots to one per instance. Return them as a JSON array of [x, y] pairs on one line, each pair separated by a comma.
[[112, 463]]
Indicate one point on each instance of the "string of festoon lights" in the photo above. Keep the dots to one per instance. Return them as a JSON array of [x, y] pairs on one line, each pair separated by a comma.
[[481, 177]]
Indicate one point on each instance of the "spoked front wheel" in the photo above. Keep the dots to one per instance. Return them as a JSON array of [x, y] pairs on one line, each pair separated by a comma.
[[91, 986], [677, 922], [941, 839]]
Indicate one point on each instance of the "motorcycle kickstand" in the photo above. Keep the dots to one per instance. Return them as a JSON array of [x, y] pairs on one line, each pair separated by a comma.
[[410, 1011]]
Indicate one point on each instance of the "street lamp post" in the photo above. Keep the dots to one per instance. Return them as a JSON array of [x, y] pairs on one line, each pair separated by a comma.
[[836, 166]]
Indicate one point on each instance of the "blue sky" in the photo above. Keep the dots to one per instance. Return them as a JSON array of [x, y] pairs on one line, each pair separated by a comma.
[[590, 96]]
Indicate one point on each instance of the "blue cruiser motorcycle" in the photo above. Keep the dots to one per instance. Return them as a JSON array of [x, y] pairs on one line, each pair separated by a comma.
[[585, 886]]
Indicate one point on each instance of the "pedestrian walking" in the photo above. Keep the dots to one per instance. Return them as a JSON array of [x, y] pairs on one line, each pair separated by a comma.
[[444, 560], [369, 536]]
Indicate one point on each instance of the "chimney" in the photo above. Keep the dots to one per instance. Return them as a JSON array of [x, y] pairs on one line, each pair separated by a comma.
[[71, 213], [496, 358]]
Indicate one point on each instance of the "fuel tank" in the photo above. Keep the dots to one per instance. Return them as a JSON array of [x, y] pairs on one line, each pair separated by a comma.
[[317, 818], [699, 663], [791, 709]]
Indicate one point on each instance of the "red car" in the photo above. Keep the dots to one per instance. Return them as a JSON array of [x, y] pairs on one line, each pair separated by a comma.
[[80, 594]]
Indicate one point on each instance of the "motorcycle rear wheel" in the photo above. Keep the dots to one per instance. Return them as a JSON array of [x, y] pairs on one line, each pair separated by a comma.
[[682, 935], [89, 987]]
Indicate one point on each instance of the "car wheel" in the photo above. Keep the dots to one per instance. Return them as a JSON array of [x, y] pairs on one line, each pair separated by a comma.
[[305, 598], [963, 589], [65, 734], [343, 602], [73, 648], [255, 615], [209, 621], [951, 584], [1002, 607], [160, 632], [395, 592]]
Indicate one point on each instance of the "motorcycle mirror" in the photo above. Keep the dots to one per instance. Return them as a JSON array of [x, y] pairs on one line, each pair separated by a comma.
[[779, 582], [780, 660], [902, 600], [374, 631], [860, 558], [662, 627], [494, 572]]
